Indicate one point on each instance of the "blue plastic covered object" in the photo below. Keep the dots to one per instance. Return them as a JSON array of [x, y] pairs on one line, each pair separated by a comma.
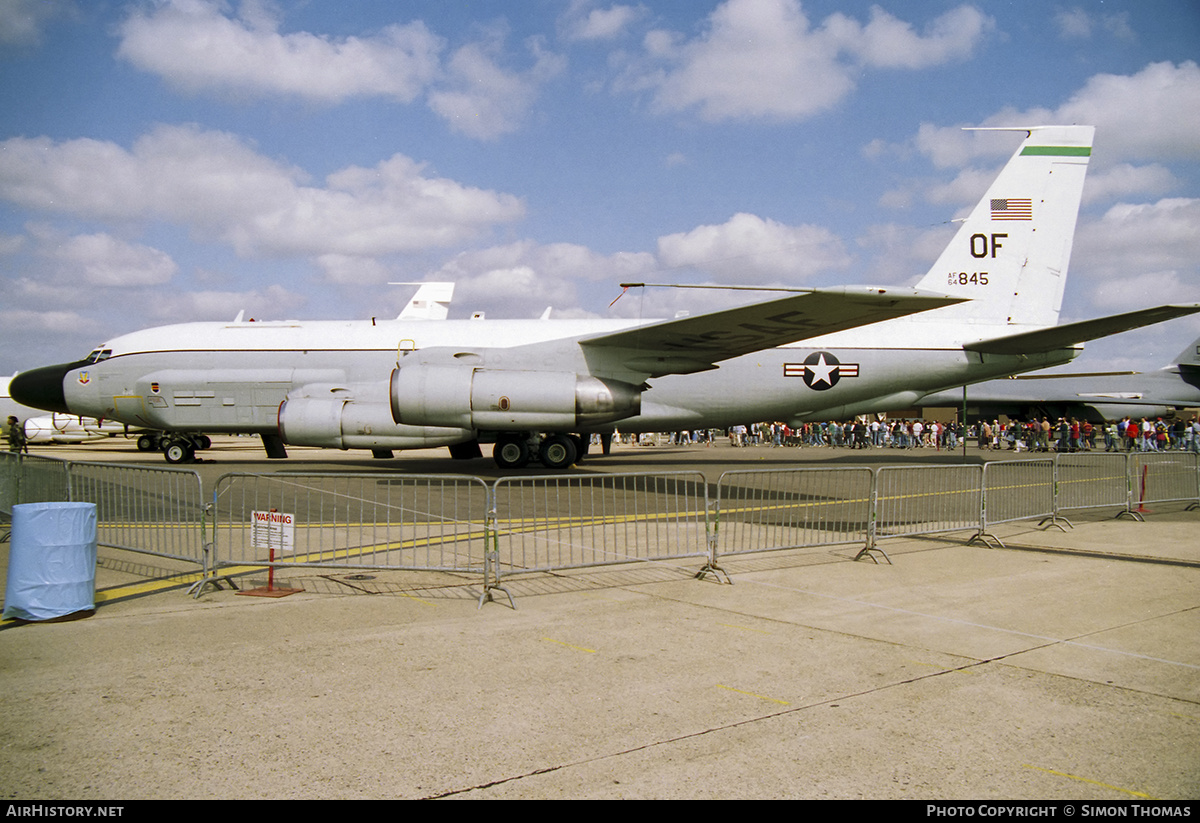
[[51, 561]]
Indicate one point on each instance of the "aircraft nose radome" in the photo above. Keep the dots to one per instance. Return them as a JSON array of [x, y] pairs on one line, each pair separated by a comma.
[[42, 388]]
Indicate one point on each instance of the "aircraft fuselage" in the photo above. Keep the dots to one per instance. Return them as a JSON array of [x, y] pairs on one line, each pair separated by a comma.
[[216, 377]]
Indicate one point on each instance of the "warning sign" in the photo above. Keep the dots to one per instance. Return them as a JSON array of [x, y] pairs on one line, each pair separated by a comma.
[[273, 530]]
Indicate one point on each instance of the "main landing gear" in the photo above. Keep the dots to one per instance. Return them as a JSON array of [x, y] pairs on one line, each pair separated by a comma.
[[176, 447], [554, 451]]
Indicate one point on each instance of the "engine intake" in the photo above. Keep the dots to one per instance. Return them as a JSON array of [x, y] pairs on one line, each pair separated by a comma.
[[508, 400]]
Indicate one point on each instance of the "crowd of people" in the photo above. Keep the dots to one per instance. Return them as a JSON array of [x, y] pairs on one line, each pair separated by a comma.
[[1063, 435]]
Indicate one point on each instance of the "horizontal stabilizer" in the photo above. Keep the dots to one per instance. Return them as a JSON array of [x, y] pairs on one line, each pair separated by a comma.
[[1071, 334], [690, 344]]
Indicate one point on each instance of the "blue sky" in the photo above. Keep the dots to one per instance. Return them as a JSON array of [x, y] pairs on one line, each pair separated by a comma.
[[170, 161]]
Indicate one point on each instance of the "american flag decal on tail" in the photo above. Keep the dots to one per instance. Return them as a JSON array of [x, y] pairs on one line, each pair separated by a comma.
[[1012, 208]]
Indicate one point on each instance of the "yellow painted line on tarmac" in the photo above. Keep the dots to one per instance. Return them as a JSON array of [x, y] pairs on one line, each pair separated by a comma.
[[115, 593], [752, 694], [802, 504], [128, 590], [939, 493], [568, 645], [527, 523], [318, 556], [1130, 792]]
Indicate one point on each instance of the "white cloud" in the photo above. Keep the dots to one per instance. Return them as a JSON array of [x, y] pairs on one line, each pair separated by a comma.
[[1136, 239], [1078, 24], [887, 42], [900, 254], [1135, 291], [218, 186], [521, 279], [22, 21], [601, 24], [482, 100], [11, 244], [763, 59], [750, 249], [103, 260], [46, 322], [1151, 115], [351, 270], [193, 45], [274, 302], [1106, 183], [1074, 23], [1124, 180]]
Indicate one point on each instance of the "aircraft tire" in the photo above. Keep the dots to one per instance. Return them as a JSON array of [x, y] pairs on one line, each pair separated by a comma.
[[146, 443], [581, 446], [511, 453], [179, 452], [557, 451], [203, 441]]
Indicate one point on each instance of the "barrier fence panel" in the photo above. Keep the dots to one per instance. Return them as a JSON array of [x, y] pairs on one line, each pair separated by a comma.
[[570, 521], [1017, 490], [794, 508], [377, 521], [10, 476], [912, 500], [34, 479], [159, 511], [1091, 480], [1160, 477]]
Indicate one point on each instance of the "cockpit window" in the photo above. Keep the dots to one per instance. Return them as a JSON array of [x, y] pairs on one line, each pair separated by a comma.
[[99, 354]]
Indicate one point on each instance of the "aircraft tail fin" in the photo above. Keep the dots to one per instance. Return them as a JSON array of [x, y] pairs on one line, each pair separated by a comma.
[[1189, 356], [1010, 255], [431, 302]]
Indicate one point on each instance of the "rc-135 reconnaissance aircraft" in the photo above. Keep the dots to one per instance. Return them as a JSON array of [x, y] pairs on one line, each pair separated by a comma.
[[537, 388]]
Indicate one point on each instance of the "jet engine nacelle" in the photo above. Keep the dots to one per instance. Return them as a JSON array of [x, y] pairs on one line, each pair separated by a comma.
[[508, 400], [343, 423]]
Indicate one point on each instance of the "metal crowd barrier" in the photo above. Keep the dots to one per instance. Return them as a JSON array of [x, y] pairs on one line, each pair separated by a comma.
[[349, 521], [34, 479], [793, 508], [917, 500], [460, 524], [1017, 490], [570, 521], [158, 511], [26, 478], [10, 477], [1090, 480], [1164, 477]]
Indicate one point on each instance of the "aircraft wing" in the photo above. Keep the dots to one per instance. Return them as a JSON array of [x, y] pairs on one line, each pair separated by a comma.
[[691, 344], [1070, 334]]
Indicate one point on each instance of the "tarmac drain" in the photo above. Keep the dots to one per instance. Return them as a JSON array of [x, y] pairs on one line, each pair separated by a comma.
[[360, 577]]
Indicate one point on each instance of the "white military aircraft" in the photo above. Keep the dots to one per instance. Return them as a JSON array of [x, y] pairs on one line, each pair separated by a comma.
[[537, 388], [1092, 397], [70, 428]]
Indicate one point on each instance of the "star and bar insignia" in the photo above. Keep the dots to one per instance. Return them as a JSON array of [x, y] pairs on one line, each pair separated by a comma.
[[820, 370]]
